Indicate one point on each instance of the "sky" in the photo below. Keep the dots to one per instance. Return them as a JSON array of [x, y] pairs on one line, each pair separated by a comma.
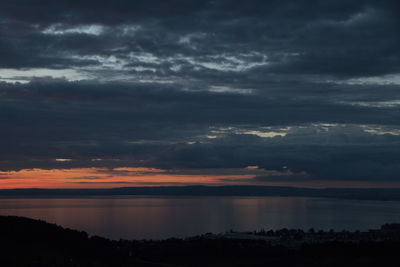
[[142, 93]]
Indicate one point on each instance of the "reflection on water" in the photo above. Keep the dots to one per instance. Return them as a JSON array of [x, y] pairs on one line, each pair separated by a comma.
[[163, 217]]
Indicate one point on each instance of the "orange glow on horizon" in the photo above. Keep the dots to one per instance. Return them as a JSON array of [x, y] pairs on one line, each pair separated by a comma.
[[105, 178], [141, 176]]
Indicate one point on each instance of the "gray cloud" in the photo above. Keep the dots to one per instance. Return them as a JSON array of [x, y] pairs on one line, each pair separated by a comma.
[[314, 86]]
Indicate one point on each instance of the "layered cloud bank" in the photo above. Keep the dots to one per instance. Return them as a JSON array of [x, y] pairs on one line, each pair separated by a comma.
[[306, 91]]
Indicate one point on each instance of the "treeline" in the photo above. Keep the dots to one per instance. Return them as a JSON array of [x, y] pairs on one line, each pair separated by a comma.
[[27, 242]]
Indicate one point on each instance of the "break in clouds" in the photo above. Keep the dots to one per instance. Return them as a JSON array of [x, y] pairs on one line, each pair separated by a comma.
[[203, 85]]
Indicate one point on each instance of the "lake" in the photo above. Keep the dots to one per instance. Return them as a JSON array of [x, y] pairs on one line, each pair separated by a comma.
[[138, 217]]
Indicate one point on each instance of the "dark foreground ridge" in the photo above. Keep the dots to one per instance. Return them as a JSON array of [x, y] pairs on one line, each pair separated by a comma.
[[345, 193], [28, 242]]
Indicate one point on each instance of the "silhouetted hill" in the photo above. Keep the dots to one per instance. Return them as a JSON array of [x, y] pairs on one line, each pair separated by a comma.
[[347, 193], [27, 242]]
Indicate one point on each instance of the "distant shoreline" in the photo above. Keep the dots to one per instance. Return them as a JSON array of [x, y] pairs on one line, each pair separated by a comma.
[[389, 194]]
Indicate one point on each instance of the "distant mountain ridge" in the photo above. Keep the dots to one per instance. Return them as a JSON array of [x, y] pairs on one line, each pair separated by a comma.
[[344, 193]]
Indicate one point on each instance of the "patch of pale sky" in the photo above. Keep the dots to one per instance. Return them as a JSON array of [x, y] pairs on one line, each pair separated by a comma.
[[379, 130], [227, 89], [228, 63], [60, 29], [376, 104], [390, 79], [21, 75], [308, 129]]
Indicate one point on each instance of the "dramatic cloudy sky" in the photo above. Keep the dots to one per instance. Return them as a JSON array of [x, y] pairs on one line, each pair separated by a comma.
[[121, 93]]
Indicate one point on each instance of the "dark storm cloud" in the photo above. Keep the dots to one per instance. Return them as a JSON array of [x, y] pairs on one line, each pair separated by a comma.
[[299, 37], [165, 127], [363, 161], [191, 84]]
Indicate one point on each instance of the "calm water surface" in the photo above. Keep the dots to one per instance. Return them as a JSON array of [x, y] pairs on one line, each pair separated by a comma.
[[163, 217]]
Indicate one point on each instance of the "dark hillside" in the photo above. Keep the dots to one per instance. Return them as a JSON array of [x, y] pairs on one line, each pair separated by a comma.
[[27, 242]]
